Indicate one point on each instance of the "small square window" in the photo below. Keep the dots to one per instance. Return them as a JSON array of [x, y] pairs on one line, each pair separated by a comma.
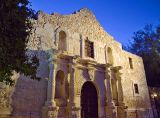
[[130, 63], [136, 90]]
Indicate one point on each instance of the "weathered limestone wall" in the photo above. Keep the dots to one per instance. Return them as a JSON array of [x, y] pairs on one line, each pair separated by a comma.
[[26, 98], [141, 101], [81, 77], [30, 95], [78, 26]]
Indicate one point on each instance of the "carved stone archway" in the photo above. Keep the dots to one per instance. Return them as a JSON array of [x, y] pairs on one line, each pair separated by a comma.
[[89, 101]]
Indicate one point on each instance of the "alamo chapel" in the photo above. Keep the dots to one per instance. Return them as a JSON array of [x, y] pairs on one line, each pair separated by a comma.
[[84, 73]]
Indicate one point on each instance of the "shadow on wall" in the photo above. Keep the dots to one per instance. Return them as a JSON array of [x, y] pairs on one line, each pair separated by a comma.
[[29, 96]]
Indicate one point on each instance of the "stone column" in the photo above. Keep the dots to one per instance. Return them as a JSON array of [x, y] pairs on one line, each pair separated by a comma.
[[72, 71], [50, 110], [120, 91], [121, 108], [109, 102], [119, 86], [51, 83], [114, 86], [82, 47], [74, 111], [114, 91]]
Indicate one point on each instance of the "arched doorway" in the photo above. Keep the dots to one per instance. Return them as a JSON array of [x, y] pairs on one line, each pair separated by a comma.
[[89, 101]]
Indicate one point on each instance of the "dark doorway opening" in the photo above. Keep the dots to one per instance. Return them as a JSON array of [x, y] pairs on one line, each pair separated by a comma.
[[89, 101]]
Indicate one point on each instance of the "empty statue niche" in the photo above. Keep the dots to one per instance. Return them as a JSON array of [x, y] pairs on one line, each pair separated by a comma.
[[114, 87], [109, 55], [62, 41], [60, 88]]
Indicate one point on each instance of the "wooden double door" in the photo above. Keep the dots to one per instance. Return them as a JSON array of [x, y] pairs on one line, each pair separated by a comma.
[[89, 101]]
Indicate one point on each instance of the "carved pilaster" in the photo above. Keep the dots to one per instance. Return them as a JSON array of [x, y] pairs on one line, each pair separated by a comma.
[[72, 71], [119, 85], [110, 113], [50, 110], [82, 44], [108, 86], [121, 108], [51, 82], [73, 109], [120, 91]]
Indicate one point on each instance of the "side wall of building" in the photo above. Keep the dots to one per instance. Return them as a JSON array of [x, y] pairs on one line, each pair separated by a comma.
[[138, 102]]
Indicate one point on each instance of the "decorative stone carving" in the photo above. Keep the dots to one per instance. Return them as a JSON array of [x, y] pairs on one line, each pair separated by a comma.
[[110, 106], [91, 73], [79, 80], [52, 57], [76, 112], [120, 89], [52, 54], [73, 71], [52, 114], [4, 98], [108, 86]]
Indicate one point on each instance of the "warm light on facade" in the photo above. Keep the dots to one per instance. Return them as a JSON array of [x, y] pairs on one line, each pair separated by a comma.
[[154, 95]]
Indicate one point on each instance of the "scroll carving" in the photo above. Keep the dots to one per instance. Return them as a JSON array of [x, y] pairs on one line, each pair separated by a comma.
[[91, 74]]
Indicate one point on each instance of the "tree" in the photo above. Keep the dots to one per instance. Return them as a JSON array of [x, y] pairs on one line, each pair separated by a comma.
[[15, 27], [146, 43]]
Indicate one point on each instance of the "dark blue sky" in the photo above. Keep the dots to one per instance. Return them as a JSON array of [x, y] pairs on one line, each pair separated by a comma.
[[120, 18]]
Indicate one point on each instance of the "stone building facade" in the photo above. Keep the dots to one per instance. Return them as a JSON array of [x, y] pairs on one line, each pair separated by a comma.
[[85, 74]]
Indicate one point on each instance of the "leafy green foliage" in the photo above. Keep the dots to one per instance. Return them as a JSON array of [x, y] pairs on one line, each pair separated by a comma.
[[15, 27], [146, 43]]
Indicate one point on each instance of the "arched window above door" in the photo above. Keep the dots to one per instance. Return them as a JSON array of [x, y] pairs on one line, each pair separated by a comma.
[[62, 45]]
